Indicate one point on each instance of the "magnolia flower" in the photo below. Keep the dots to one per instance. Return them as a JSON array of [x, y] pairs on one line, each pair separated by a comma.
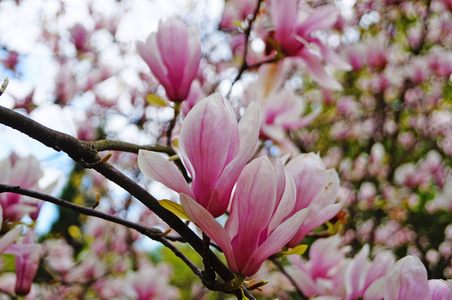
[[24, 172], [213, 147], [407, 280], [27, 255], [80, 37], [10, 236], [236, 11], [317, 189], [329, 273], [173, 55], [440, 289], [258, 224], [293, 27]]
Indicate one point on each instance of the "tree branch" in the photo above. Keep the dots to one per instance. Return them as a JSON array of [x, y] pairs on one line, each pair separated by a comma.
[[152, 233], [87, 155], [104, 145]]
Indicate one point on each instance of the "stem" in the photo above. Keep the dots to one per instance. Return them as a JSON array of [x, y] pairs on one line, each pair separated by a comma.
[[245, 66], [281, 268], [172, 123], [209, 274]]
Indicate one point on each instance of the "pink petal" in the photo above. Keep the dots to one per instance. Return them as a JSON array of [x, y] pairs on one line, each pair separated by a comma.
[[193, 60], [248, 136], [204, 141], [253, 203], [204, 220], [439, 289], [172, 36], [157, 168], [323, 17], [279, 237], [284, 15], [151, 55], [286, 204], [325, 255], [354, 275], [9, 238], [407, 280], [379, 267], [317, 71]]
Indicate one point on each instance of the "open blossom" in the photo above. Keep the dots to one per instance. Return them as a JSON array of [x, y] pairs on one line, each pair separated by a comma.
[[329, 273], [27, 255], [213, 147], [317, 189], [258, 224], [236, 10], [293, 28], [173, 55]]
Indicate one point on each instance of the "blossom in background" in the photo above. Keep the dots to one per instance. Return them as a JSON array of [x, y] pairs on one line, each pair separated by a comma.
[[27, 255], [281, 109], [80, 37], [173, 55], [213, 147], [329, 273], [141, 288], [257, 226], [293, 28], [23, 172], [236, 11]]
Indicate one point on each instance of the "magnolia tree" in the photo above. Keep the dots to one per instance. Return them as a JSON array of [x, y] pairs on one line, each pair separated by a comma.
[[270, 149]]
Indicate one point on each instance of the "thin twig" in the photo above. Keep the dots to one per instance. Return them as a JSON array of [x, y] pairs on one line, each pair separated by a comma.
[[4, 85], [152, 233], [281, 268], [104, 145], [245, 66]]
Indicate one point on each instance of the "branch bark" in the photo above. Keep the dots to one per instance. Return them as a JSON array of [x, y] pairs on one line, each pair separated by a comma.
[[86, 154]]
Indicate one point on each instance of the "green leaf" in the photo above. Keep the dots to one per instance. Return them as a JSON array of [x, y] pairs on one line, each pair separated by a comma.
[[174, 208], [155, 100]]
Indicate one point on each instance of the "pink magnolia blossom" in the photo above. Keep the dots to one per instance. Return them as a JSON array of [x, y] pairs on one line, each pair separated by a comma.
[[236, 10], [80, 37], [258, 224], [173, 55], [440, 289], [317, 189], [293, 28], [407, 280], [27, 255], [140, 287], [24, 172], [329, 273], [11, 61], [9, 237], [213, 147]]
